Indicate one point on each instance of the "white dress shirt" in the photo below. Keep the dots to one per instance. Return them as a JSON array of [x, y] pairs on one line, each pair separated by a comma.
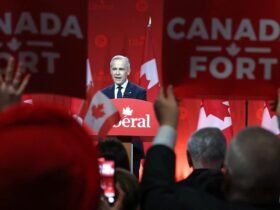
[[122, 90], [166, 135]]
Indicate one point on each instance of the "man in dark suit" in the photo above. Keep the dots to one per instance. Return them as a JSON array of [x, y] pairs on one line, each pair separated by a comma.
[[205, 154], [252, 169], [122, 88], [130, 91]]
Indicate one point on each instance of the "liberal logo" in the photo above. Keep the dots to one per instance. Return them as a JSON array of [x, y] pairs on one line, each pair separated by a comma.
[[128, 121], [127, 111]]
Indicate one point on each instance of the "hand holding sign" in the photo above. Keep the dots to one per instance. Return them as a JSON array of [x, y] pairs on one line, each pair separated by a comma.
[[11, 85], [166, 108], [278, 104]]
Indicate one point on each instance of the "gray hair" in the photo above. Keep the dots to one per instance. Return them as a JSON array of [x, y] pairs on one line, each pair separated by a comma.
[[207, 145], [121, 57], [252, 161]]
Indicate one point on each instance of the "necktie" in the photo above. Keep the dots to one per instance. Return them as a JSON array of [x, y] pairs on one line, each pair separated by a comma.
[[119, 93]]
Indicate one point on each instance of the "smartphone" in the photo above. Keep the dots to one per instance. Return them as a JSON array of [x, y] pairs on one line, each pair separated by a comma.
[[107, 173]]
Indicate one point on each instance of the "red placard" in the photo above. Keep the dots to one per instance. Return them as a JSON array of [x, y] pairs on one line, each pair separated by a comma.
[[49, 38], [222, 48]]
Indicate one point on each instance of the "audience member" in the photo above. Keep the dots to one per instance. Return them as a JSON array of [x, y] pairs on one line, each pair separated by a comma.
[[205, 154], [130, 186], [112, 149], [127, 187], [252, 169], [47, 160]]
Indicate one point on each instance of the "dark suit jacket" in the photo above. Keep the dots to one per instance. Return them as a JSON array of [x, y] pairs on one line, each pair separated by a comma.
[[159, 189], [131, 91], [206, 180]]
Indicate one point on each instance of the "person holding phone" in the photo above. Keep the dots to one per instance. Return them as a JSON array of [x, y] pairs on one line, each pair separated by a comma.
[[127, 190]]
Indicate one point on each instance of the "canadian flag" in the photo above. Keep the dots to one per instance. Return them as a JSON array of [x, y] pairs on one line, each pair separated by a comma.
[[98, 111], [149, 74], [216, 113], [269, 120]]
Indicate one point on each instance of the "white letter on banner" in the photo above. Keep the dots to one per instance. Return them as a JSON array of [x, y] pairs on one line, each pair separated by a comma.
[[72, 27], [245, 30], [268, 62], [195, 67], [50, 60], [214, 70], [245, 66], [171, 28], [6, 24], [197, 29], [29, 61], [274, 34], [219, 28], [50, 24], [26, 23]]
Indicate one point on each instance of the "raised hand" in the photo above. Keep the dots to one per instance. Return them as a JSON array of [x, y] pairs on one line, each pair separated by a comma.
[[12, 85], [118, 205], [278, 103], [166, 108]]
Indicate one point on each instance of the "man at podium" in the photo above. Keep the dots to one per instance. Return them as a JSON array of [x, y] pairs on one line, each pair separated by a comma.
[[122, 88]]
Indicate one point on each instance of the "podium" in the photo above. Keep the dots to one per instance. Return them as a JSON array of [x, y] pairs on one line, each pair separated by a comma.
[[137, 118]]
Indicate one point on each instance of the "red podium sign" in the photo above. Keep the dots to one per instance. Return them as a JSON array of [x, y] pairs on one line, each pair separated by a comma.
[[137, 118]]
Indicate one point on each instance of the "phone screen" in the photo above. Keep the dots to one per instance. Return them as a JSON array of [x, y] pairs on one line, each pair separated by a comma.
[[107, 172]]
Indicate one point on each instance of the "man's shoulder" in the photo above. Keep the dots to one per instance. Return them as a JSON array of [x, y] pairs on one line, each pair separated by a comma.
[[107, 88], [206, 180], [135, 86], [108, 91], [202, 176], [135, 91]]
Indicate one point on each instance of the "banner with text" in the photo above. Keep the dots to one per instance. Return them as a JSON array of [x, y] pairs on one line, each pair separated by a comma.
[[50, 39], [223, 48]]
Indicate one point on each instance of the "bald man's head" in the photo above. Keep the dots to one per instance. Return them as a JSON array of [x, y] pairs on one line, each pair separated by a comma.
[[252, 163]]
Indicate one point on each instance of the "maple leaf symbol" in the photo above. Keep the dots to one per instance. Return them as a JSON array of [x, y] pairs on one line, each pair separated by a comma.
[[97, 111], [127, 111], [216, 108], [14, 44], [151, 75], [270, 112]]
